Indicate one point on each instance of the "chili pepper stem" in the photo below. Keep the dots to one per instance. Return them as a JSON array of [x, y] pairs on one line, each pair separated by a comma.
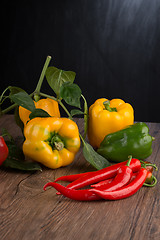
[[153, 184], [149, 164], [129, 160]]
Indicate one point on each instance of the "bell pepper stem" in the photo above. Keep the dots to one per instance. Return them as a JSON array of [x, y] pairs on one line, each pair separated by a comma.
[[56, 142], [59, 145], [107, 106]]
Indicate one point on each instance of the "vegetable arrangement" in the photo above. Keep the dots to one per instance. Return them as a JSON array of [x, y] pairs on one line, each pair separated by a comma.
[[115, 182], [35, 113], [53, 141]]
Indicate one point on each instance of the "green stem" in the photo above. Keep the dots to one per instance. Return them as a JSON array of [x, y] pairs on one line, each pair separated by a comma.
[[83, 141], [59, 101], [37, 90], [47, 96], [8, 109], [5, 90], [151, 185], [129, 160], [65, 109], [107, 106], [12, 106], [39, 84], [85, 116], [149, 164]]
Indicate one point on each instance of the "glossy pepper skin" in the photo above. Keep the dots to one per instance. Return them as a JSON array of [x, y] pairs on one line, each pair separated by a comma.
[[106, 117], [133, 140], [51, 141], [3, 150], [47, 104], [123, 176], [126, 191], [103, 174]]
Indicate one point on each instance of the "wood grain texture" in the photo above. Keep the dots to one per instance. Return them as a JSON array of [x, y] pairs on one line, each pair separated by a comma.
[[28, 212]]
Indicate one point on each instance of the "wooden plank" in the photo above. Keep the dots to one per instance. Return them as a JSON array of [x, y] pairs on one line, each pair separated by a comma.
[[28, 212]]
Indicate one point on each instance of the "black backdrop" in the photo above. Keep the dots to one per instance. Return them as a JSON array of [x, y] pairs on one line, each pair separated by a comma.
[[112, 45]]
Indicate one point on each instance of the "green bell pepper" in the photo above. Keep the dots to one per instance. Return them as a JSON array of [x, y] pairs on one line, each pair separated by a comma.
[[133, 140]]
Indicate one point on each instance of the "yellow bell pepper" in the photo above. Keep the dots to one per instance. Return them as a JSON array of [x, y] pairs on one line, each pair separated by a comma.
[[51, 141], [47, 104], [106, 117]]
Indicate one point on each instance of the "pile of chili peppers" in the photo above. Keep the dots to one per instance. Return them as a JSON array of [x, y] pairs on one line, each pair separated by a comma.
[[115, 182]]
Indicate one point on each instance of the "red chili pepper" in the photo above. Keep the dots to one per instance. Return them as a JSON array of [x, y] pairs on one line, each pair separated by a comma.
[[81, 195], [121, 179], [102, 183], [123, 176], [127, 190], [103, 174], [149, 166], [3, 150], [151, 180], [70, 178]]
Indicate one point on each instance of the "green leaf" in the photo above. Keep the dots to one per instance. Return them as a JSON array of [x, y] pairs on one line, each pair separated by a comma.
[[76, 112], [71, 93], [14, 90], [93, 157], [6, 133], [16, 160], [17, 119], [19, 165], [24, 100], [56, 77], [38, 112]]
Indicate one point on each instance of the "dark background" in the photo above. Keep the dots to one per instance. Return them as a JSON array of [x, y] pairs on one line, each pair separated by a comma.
[[112, 45]]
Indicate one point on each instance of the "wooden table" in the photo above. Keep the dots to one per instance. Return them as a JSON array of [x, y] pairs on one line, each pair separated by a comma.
[[27, 212]]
